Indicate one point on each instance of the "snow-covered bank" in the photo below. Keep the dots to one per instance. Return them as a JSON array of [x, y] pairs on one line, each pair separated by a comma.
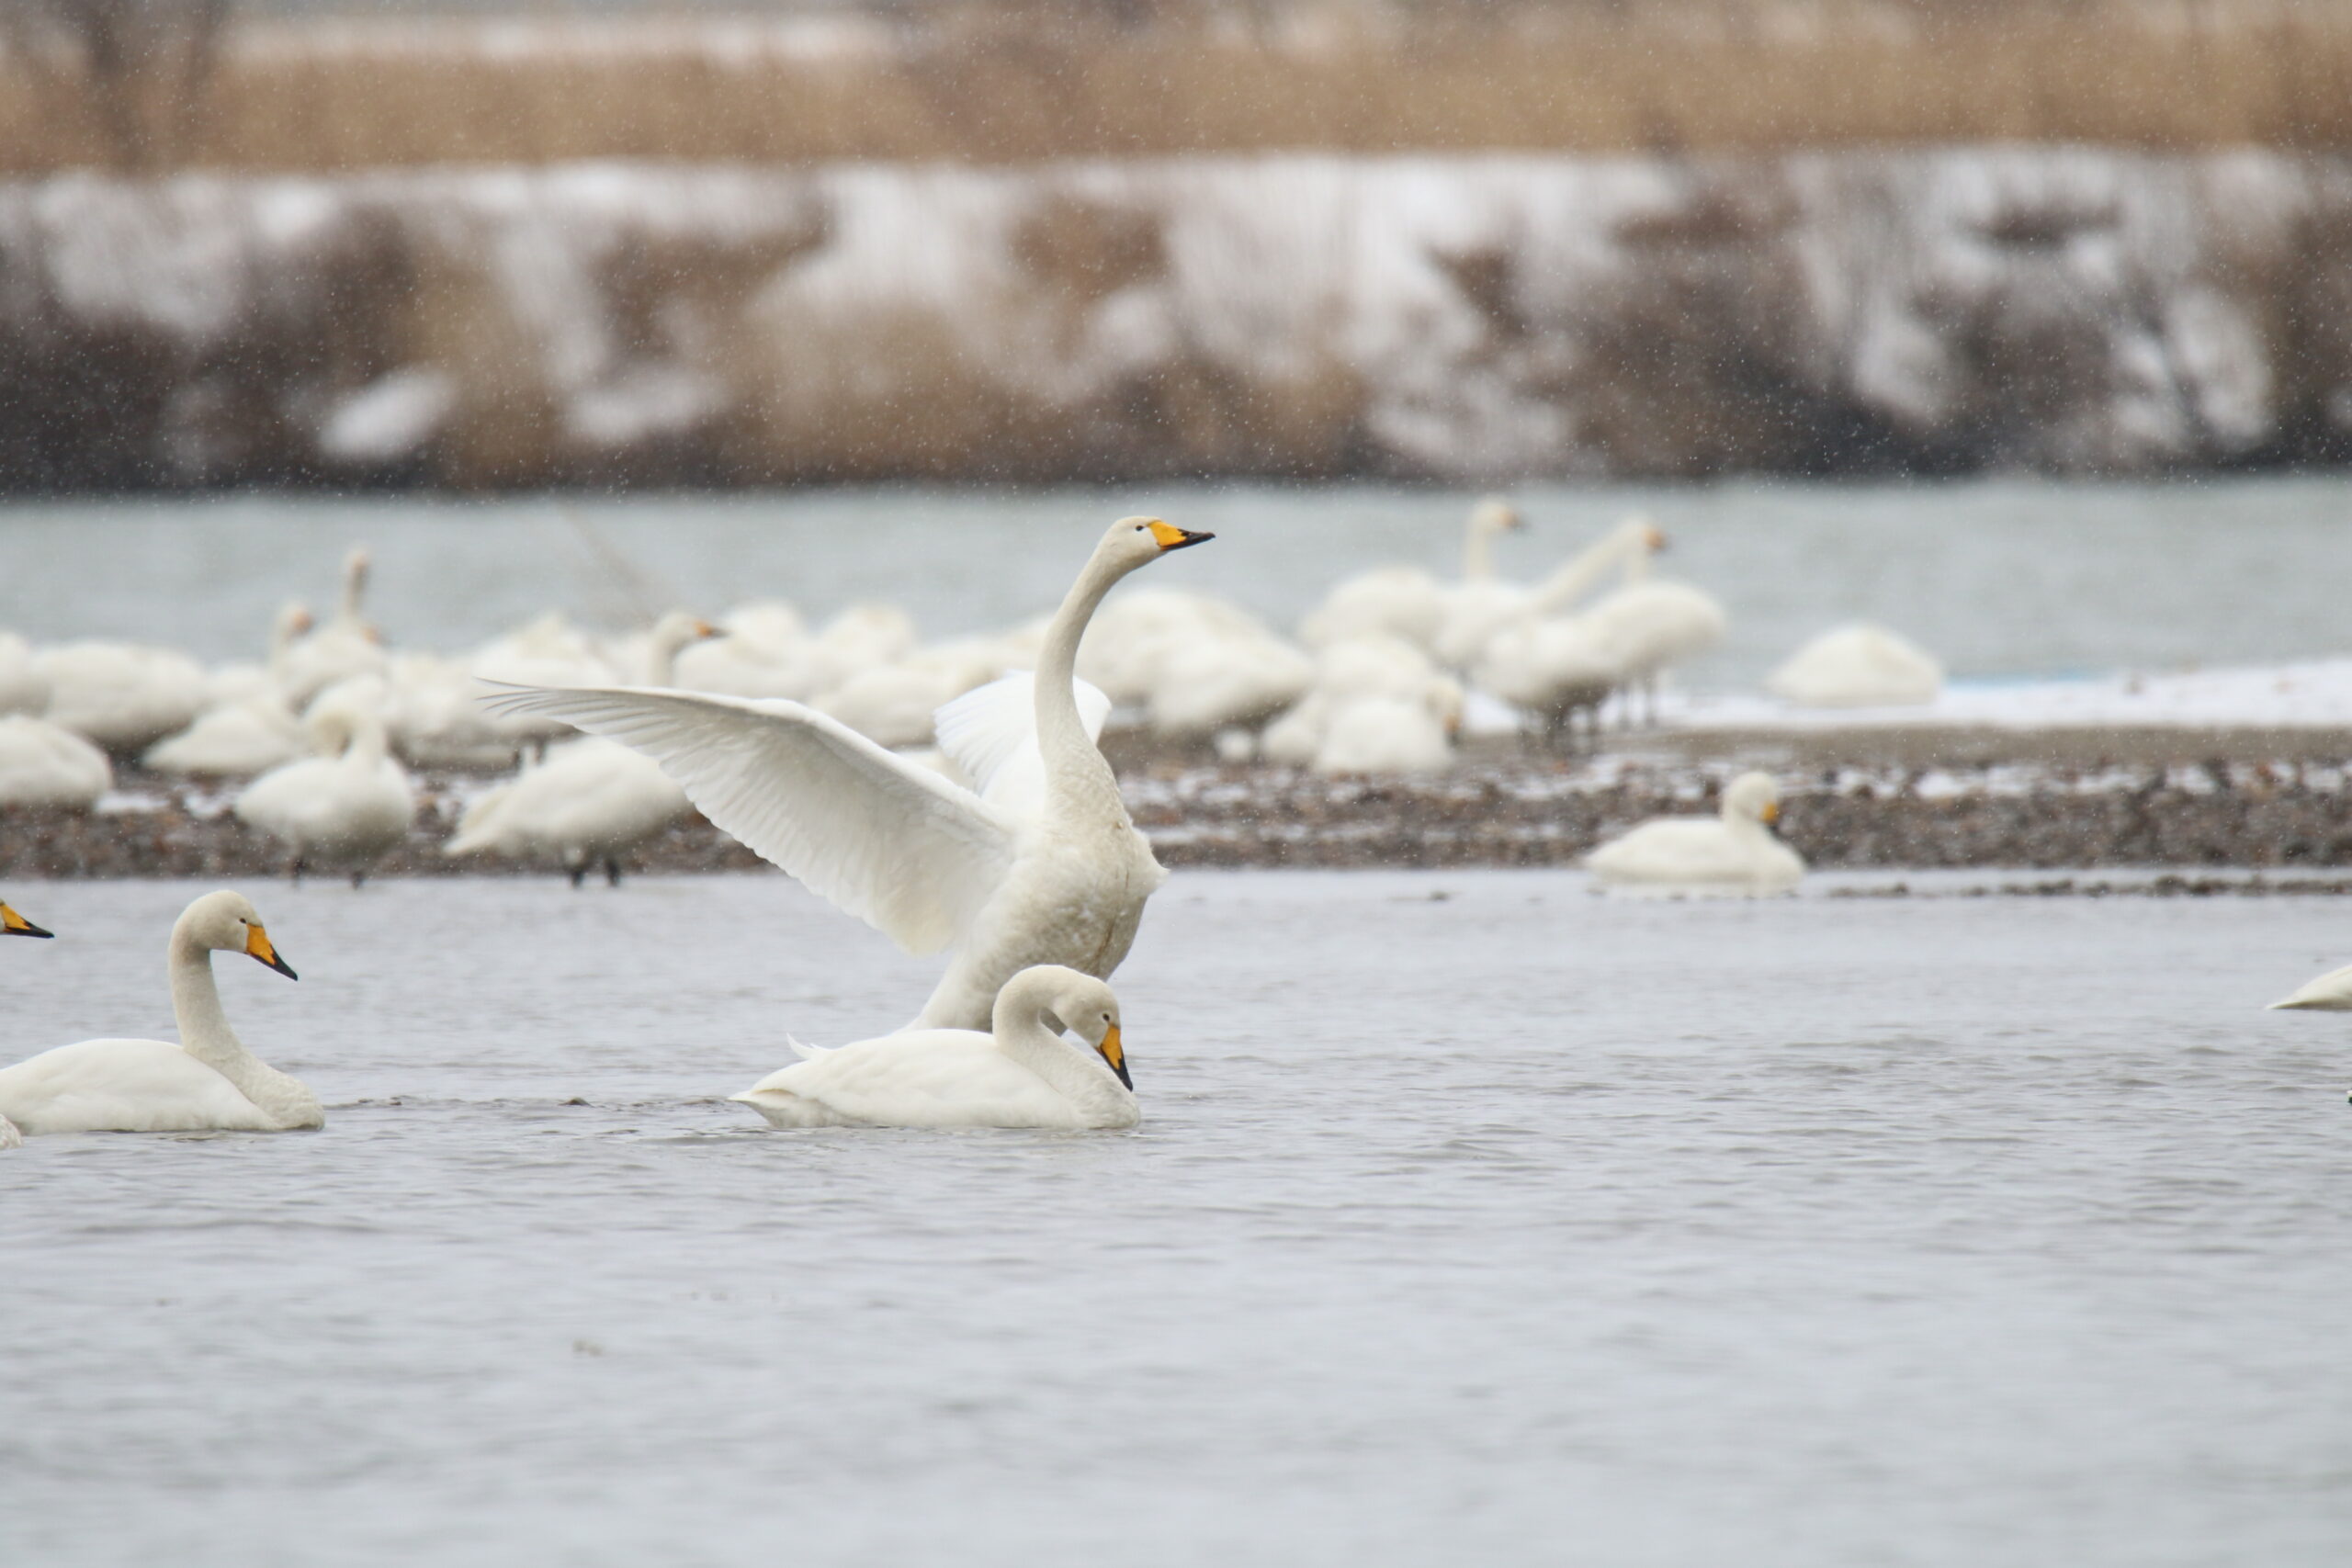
[[2057, 308], [2315, 695]]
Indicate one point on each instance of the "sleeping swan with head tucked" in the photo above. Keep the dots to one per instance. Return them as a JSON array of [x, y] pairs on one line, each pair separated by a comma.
[[1058, 875], [207, 1081], [1023, 1073]]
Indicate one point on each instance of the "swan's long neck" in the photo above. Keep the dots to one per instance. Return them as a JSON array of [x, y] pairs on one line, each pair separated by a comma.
[[1478, 550], [206, 1035], [661, 650], [1582, 573], [1026, 1031], [367, 746], [281, 645], [354, 587], [1076, 777]]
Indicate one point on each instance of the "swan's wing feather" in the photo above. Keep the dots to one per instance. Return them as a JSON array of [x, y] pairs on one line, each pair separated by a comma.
[[893, 843], [989, 726]]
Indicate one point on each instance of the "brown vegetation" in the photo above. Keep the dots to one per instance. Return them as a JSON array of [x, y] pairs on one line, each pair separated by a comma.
[[993, 85]]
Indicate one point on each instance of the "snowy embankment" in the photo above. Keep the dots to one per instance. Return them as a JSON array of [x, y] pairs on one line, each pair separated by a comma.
[[1479, 317], [2315, 695]]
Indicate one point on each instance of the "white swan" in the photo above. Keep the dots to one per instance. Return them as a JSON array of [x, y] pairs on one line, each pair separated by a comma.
[[344, 807], [591, 800], [1860, 665], [1648, 625], [1385, 734], [249, 729], [23, 688], [121, 695], [343, 647], [15, 924], [207, 1081], [1021, 1072], [1731, 855], [45, 764], [889, 841], [1405, 600], [2332, 992]]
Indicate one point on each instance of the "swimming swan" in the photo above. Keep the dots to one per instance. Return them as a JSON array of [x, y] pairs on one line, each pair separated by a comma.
[[1733, 855], [928, 864], [1021, 1073], [209, 1081], [2332, 992]]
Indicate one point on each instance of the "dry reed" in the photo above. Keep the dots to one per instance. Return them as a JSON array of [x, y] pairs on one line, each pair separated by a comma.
[[1729, 76]]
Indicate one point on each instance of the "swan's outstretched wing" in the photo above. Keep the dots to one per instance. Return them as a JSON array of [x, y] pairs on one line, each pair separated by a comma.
[[895, 844], [990, 732]]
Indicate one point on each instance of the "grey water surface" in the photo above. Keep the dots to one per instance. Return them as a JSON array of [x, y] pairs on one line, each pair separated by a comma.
[[1998, 577], [1475, 1220]]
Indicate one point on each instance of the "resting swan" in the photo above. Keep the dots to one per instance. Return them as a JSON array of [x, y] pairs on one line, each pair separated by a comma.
[[207, 1081], [2332, 992], [345, 808], [1021, 1072], [1733, 855], [930, 864]]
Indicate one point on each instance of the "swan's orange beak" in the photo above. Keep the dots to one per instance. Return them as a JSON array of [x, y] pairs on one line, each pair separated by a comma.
[[704, 628], [15, 924], [257, 946], [1171, 537], [1658, 540], [1115, 1054], [1771, 812]]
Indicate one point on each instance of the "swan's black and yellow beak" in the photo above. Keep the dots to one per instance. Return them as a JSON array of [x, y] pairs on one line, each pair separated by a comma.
[[1171, 537], [1771, 812], [1115, 1054], [257, 946], [15, 924]]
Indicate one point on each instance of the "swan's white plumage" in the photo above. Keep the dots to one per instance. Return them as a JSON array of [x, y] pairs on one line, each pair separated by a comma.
[[209, 1081], [888, 840], [991, 734], [892, 840], [46, 764], [1733, 854], [1019, 1073], [1857, 666], [2332, 992]]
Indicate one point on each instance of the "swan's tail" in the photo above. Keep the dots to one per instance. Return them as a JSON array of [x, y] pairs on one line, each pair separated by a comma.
[[9, 1137]]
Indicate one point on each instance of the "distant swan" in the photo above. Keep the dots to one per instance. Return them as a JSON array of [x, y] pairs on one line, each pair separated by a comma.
[[344, 807], [2332, 992], [46, 764], [591, 800], [1734, 854], [207, 1081], [1860, 665], [1021, 1073], [930, 864]]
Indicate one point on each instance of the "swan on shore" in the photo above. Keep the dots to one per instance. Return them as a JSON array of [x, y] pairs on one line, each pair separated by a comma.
[[2332, 992], [1406, 602], [1021, 1072], [206, 1082], [591, 800], [884, 838], [46, 764], [23, 688], [121, 695], [343, 647], [250, 727], [1860, 665], [342, 810], [1733, 854]]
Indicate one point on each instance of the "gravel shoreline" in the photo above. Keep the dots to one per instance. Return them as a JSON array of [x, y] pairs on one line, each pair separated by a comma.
[[1489, 812]]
